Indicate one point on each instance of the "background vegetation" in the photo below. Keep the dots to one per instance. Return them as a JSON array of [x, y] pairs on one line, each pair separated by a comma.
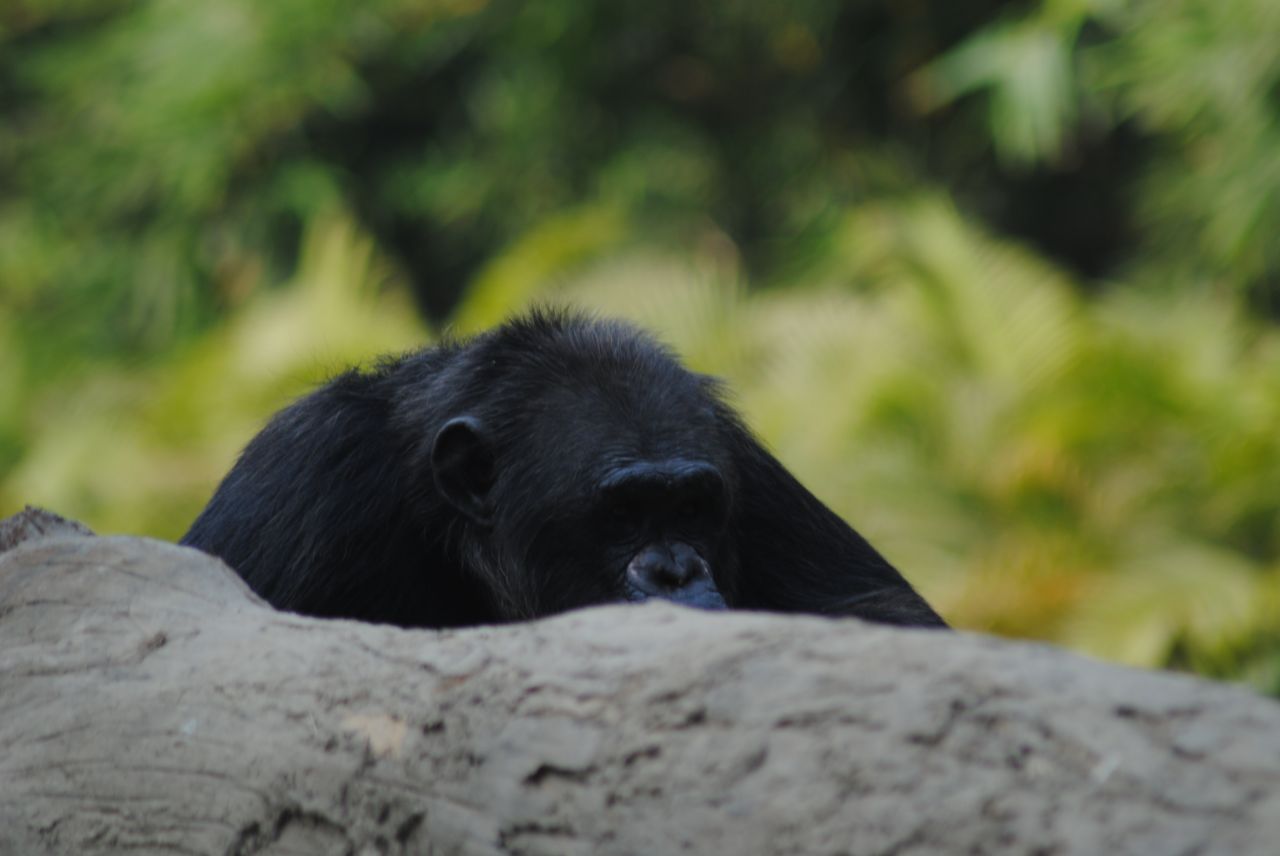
[[1000, 281]]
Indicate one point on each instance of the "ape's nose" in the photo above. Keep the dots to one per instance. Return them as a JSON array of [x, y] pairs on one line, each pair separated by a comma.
[[659, 570], [674, 572]]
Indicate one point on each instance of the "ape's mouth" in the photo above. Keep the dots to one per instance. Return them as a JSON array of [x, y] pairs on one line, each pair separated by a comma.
[[697, 596]]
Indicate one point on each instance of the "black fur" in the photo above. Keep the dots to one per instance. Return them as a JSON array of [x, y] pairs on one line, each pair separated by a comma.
[[511, 476]]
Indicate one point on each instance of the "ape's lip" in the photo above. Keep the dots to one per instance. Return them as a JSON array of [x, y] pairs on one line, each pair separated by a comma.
[[700, 597], [710, 600]]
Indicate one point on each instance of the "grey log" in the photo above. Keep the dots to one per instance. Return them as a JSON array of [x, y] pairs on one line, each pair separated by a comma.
[[149, 703]]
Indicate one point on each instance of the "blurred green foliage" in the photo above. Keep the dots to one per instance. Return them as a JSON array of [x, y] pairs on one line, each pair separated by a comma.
[[998, 280]]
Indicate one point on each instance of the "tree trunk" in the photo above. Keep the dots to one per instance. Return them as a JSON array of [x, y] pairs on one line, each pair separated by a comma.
[[150, 703]]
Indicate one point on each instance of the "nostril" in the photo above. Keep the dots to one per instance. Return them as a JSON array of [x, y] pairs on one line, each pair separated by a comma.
[[690, 568], [667, 571], [655, 577]]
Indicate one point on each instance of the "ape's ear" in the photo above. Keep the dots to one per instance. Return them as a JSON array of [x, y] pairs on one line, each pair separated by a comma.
[[463, 463]]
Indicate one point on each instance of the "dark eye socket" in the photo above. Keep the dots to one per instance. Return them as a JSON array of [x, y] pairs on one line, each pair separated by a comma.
[[620, 513], [694, 503]]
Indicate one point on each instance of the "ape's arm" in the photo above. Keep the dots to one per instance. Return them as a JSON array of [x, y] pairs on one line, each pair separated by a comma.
[[319, 517], [796, 555]]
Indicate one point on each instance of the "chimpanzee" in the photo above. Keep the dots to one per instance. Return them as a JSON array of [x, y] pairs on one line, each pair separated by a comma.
[[554, 462]]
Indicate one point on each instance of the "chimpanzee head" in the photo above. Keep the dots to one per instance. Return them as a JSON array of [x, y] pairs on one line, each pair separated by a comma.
[[589, 469], [554, 462]]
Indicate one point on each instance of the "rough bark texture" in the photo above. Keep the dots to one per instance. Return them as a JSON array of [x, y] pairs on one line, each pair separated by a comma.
[[148, 702], [32, 523]]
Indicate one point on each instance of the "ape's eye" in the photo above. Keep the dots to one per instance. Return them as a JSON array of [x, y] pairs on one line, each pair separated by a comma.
[[619, 514]]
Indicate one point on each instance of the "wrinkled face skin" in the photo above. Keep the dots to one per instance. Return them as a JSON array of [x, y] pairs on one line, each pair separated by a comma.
[[649, 529], [591, 521], [667, 516], [606, 488], [624, 502]]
